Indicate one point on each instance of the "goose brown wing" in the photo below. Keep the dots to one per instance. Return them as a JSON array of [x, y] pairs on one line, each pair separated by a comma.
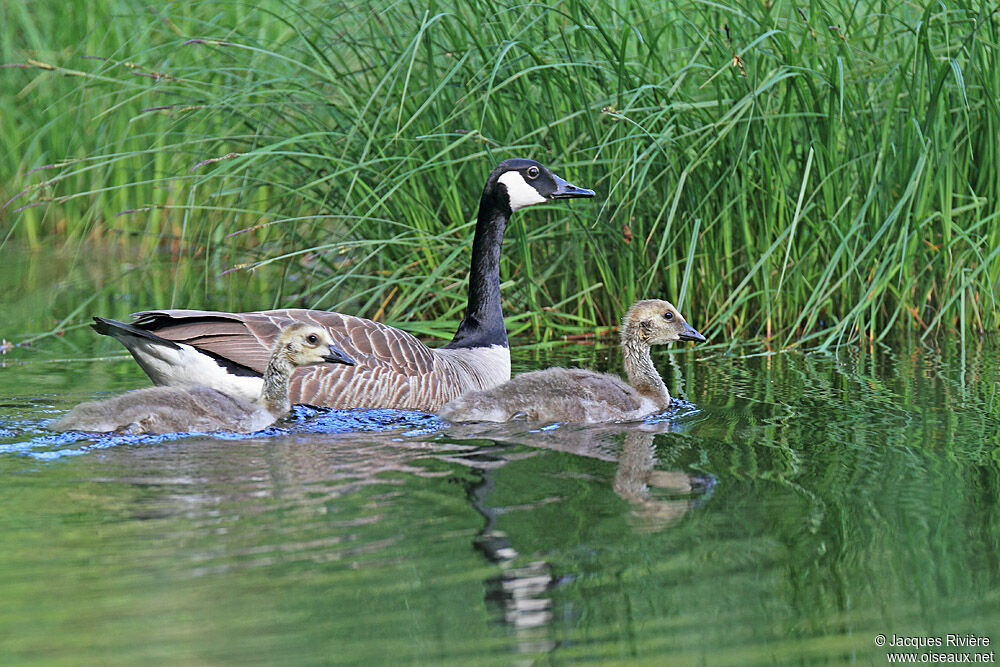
[[389, 363]]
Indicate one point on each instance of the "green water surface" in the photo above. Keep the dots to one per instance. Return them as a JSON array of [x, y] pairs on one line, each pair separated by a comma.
[[793, 507]]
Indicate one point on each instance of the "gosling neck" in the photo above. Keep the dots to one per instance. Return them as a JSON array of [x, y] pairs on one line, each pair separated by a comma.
[[483, 324], [639, 368], [274, 396]]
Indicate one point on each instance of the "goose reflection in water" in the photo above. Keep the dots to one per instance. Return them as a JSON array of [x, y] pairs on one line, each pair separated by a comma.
[[658, 499], [318, 458]]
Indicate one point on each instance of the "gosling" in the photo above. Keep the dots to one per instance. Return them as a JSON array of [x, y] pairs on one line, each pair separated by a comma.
[[582, 396], [200, 409]]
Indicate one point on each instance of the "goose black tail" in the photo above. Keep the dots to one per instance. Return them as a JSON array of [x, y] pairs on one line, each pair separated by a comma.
[[116, 329]]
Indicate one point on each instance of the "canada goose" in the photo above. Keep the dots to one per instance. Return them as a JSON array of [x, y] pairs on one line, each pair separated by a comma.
[[228, 351], [198, 408], [578, 395]]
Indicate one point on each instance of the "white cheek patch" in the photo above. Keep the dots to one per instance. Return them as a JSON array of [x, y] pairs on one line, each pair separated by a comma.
[[520, 193]]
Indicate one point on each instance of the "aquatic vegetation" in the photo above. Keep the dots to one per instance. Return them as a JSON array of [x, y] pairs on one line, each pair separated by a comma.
[[814, 175]]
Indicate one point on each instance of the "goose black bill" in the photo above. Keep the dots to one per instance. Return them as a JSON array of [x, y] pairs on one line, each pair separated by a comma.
[[566, 190]]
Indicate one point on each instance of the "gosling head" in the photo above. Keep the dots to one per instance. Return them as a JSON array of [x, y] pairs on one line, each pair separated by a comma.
[[303, 344], [519, 182], [655, 322]]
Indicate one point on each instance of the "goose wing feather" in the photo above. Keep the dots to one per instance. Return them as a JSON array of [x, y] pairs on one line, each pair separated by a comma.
[[392, 368]]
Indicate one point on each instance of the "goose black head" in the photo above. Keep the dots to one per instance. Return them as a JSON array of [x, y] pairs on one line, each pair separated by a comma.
[[526, 182]]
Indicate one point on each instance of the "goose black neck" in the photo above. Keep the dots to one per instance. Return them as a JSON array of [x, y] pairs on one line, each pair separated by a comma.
[[483, 325]]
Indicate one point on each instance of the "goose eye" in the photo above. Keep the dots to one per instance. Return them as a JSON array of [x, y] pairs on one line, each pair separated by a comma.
[[532, 172], [668, 316], [313, 339]]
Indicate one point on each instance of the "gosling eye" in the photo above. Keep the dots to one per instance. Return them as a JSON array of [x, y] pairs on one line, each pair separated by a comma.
[[532, 172], [668, 316], [312, 339]]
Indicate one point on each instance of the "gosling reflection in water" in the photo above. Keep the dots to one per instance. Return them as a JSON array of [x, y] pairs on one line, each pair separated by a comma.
[[658, 499], [638, 482]]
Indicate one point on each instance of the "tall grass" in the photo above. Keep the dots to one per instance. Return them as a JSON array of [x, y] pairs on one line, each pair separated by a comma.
[[815, 173]]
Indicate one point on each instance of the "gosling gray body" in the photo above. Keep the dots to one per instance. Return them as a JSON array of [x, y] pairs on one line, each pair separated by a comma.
[[227, 351], [197, 408], [583, 396]]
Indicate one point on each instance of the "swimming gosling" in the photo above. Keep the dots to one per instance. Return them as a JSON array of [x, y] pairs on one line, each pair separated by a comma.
[[200, 409], [582, 396]]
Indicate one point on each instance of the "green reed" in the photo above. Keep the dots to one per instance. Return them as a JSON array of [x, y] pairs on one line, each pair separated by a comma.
[[812, 174]]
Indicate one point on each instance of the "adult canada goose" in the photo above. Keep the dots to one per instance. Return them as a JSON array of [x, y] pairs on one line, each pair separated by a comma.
[[228, 351], [200, 409], [578, 395]]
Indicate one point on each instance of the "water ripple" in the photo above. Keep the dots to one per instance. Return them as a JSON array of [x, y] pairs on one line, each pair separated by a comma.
[[28, 436]]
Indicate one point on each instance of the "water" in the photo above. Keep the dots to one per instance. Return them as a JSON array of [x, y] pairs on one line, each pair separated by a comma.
[[790, 510]]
